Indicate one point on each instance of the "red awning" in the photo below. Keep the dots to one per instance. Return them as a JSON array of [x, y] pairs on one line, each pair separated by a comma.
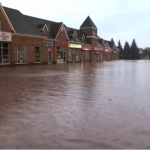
[[86, 47], [98, 48], [62, 43]]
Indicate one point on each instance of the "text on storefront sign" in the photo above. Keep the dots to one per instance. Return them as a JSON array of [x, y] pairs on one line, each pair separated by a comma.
[[74, 46], [48, 43], [4, 36]]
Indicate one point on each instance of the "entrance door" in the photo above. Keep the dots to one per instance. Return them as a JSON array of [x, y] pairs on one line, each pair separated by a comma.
[[64, 56], [0, 56], [95, 57], [82, 56], [49, 57], [74, 57]]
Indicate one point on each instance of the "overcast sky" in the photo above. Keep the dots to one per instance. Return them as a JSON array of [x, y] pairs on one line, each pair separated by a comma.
[[120, 19]]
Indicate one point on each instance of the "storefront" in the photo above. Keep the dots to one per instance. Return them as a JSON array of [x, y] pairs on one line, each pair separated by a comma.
[[114, 55], [74, 52], [86, 54], [49, 46], [108, 54], [97, 53], [61, 51], [5, 39]]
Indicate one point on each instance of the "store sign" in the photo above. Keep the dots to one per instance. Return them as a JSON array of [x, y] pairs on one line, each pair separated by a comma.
[[98, 48], [114, 52], [62, 43], [86, 48], [5, 36], [48, 43], [74, 46], [49, 49], [108, 50]]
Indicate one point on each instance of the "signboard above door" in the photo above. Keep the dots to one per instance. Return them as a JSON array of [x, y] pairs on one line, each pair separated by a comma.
[[48, 43]]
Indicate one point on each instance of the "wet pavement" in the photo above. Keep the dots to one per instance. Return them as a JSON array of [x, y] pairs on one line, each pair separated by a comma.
[[91, 105]]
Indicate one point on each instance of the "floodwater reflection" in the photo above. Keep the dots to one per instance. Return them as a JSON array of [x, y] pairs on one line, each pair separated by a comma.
[[91, 105]]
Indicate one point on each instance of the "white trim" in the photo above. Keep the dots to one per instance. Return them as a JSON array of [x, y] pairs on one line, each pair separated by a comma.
[[3, 11], [44, 27], [64, 30], [92, 37], [75, 33], [88, 28], [83, 36]]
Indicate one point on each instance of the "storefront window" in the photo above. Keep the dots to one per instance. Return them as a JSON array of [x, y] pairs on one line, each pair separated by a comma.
[[37, 54], [21, 54], [4, 53]]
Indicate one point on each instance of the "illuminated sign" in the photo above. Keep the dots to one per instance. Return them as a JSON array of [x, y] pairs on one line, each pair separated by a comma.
[[98, 48], [62, 43], [49, 49], [74, 46]]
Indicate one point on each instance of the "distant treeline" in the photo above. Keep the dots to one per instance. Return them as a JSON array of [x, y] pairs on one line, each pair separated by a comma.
[[129, 52]]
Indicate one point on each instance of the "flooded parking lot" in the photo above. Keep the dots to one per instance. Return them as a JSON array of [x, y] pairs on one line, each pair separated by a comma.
[[91, 105]]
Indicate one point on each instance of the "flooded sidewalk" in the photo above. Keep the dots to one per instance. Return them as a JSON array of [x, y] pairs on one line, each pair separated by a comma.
[[90, 105]]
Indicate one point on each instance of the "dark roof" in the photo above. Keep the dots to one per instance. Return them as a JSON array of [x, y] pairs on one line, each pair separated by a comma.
[[55, 29], [88, 23], [107, 44], [100, 40], [35, 21], [70, 32], [111, 43], [20, 23], [40, 26]]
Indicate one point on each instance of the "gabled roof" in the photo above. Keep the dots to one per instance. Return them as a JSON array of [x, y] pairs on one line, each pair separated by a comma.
[[40, 26], [107, 44], [70, 32], [88, 23], [55, 29], [35, 21], [20, 23]]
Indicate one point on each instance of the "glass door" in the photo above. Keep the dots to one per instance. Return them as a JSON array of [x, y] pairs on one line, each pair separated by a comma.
[[49, 57], [74, 57], [0, 55], [64, 55]]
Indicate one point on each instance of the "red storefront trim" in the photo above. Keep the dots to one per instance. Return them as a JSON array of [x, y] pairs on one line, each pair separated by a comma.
[[97, 48], [62, 43], [87, 48], [108, 50]]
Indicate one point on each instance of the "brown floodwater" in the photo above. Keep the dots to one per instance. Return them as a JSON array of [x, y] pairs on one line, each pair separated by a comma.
[[90, 105]]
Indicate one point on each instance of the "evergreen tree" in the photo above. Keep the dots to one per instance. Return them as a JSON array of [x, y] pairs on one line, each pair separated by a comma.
[[134, 50], [112, 40], [121, 49], [127, 51]]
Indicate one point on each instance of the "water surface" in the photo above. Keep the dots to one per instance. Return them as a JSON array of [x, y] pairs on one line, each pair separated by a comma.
[[90, 105]]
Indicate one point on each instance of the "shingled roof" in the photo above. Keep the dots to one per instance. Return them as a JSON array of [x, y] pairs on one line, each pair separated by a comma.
[[88, 23], [20, 23], [41, 26]]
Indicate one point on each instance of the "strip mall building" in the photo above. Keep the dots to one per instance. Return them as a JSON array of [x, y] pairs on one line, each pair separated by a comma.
[[29, 40]]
